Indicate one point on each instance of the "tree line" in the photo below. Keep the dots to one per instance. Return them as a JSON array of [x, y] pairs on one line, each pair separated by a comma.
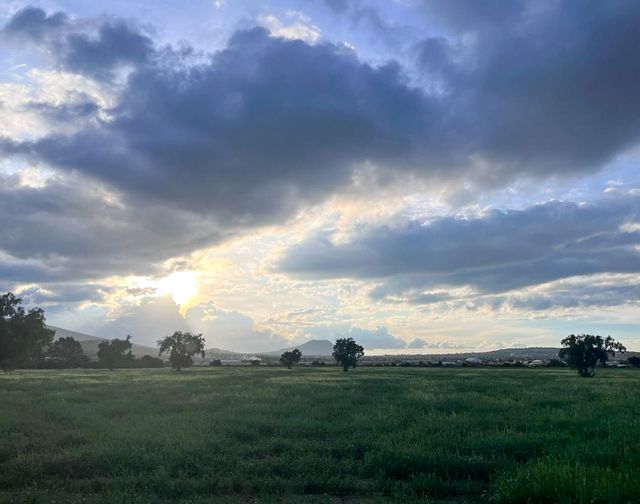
[[26, 342]]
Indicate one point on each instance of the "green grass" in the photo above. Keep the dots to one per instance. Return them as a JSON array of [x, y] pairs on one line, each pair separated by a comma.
[[319, 435]]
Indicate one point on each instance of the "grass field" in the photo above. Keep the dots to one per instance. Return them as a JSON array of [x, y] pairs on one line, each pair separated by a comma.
[[320, 435]]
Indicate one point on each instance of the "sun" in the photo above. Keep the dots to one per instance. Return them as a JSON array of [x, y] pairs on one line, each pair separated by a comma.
[[181, 285]]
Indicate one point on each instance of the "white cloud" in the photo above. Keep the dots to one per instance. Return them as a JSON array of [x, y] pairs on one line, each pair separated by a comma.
[[296, 26]]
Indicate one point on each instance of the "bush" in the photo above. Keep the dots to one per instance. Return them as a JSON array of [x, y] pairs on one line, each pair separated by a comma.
[[147, 361], [634, 361], [290, 358]]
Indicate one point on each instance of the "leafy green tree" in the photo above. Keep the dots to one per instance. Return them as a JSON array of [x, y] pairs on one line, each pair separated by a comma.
[[111, 353], [347, 352], [290, 357], [586, 351], [68, 352], [23, 334], [182, 346]]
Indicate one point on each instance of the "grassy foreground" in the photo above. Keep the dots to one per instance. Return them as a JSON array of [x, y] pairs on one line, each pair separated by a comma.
[[319, 435]]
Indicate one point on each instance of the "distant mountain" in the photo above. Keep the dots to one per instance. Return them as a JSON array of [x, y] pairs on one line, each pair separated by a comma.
[[66, 333], [320, 348], [90, 343]]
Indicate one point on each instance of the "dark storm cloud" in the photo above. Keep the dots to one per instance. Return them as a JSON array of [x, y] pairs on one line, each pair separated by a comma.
[[58, 232], [264, 126], [605, 294], [267, 125], [479, 16], [80, 46], [337, 5], [33, 23], [82, 108], [546, 86], [496, 252], [62, 293], [116, 43]]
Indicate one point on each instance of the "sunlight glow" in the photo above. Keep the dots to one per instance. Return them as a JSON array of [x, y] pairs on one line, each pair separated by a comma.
[[181, 285]]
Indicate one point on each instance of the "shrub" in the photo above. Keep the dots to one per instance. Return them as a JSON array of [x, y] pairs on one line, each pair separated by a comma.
[[634, 361], [290, 358]]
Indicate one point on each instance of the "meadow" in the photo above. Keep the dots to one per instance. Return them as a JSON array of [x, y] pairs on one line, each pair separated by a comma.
[[311, 435]]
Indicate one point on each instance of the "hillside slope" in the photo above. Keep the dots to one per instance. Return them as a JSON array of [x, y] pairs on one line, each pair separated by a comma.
[[90, 343]]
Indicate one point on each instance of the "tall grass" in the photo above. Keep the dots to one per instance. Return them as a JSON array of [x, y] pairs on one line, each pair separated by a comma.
[[318, 434]]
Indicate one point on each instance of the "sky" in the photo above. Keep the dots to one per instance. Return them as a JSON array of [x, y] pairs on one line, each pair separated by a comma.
[[421, 175]]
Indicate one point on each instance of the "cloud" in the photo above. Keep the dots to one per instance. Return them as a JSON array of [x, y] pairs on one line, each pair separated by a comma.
[[61, 293], [264, 127], [54, 231], [370, 339], [193, 148], [147, 321], [380, 337], [74, 110], [250, 134], [151, 318], [231, 330], [534, 81], [422, 343], [267, 125], [376, 338], [82, 47], [495, 252], [296, 27], [594, 293], [337, 5], [33, 23]]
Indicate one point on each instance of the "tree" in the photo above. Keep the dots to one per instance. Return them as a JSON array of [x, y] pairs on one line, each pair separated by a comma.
[[111, 353], [181, 347], [290, 357], [347, 352], [634, 361], [23, 334], [68, 352], [586, 351]]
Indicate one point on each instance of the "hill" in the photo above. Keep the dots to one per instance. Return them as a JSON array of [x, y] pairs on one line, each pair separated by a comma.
[[501, 355], [90, 343]]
